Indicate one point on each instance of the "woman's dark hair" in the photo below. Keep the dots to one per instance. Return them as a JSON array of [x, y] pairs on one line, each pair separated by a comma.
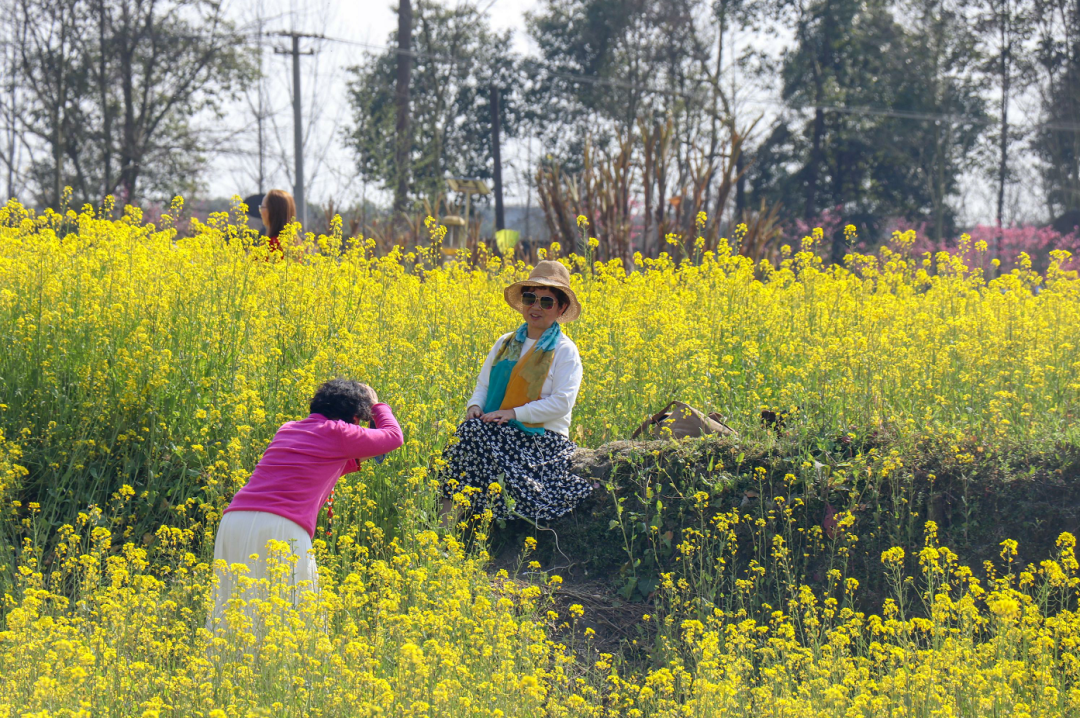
[[280, 209], [342, 399], [560, 295]]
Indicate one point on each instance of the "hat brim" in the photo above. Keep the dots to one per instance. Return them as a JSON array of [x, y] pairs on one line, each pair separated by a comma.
[[253, 203], [512, 294]]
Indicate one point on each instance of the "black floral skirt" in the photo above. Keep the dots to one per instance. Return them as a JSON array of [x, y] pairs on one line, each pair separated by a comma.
[[533, 470]]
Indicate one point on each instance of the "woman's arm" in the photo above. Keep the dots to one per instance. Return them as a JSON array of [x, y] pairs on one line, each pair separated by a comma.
[[479, 395], [359, 443], [565, 382]]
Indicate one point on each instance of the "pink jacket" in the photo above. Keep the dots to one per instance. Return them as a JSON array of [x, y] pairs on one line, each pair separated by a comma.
[[305, 460]]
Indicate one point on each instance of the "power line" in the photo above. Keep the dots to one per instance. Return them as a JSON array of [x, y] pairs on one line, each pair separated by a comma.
[[670, 92], [582, 78], [539, 66]]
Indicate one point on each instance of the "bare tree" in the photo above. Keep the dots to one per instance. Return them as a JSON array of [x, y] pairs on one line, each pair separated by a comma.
[[167, 69], [114, 88], [1004, 26], [11, 98], [1057, 141], [53, 74]]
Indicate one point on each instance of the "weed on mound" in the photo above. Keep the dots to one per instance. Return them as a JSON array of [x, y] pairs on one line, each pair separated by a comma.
[[904, 544]]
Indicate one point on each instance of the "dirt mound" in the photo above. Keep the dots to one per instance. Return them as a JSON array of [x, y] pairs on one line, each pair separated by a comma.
[[650, 494]]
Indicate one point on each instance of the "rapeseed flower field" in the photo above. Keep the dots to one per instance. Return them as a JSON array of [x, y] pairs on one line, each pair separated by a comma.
[[143, 373]]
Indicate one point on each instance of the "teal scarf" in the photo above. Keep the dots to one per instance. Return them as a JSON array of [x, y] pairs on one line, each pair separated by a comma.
[[528, 378]]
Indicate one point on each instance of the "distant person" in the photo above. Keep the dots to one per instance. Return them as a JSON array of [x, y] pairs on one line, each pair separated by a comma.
[[277, 210], [294, 477], [517, 426]]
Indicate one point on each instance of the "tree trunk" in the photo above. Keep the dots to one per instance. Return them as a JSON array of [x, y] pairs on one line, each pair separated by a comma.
[[648, 173], [401, 101], [129, 158], [12, 118], [661, 182], [106, 112], [943, 144], [58, 119], [58, 158], [823, 61], [814, 166], [714, 139], [496, 157], [740, 187], [837, 246], [1006, 48]]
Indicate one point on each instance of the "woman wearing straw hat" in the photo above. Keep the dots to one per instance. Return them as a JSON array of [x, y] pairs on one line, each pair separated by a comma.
[[516, 429]]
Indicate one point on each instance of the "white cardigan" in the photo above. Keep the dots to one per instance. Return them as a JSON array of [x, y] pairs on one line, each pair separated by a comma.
[[556, 403]]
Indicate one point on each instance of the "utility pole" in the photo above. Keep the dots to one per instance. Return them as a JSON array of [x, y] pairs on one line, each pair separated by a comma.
[[298, 120], [298, 134], [500, 218]]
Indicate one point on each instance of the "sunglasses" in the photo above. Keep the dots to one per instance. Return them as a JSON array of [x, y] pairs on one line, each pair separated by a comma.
[[529, 299]]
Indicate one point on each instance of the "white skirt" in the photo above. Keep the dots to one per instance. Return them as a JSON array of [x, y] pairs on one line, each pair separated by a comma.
[[242, 538]]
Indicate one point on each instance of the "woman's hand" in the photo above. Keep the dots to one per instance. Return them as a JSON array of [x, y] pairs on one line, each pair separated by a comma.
[[474, 412], [371, 394], [373, 399], [499, 417]]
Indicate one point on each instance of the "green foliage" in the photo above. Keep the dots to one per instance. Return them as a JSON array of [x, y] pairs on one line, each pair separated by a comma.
[[713, 511], [896, 160], [111, 88], [457, 59], [1057, 142], [633, 68]]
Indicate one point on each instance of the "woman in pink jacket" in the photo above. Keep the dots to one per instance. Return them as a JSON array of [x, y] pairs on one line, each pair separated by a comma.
[[292, 481]]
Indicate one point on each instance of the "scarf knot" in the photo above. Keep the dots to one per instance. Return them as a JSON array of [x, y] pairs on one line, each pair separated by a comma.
[[517, 380]]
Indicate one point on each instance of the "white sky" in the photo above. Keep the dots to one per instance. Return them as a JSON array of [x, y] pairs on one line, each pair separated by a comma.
[[329, 167], [362, 28]]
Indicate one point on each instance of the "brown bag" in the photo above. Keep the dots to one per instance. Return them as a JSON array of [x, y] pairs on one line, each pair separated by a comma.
[[683, 420]]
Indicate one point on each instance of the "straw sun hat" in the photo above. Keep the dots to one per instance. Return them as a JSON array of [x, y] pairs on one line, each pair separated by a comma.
[[547, 273]]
